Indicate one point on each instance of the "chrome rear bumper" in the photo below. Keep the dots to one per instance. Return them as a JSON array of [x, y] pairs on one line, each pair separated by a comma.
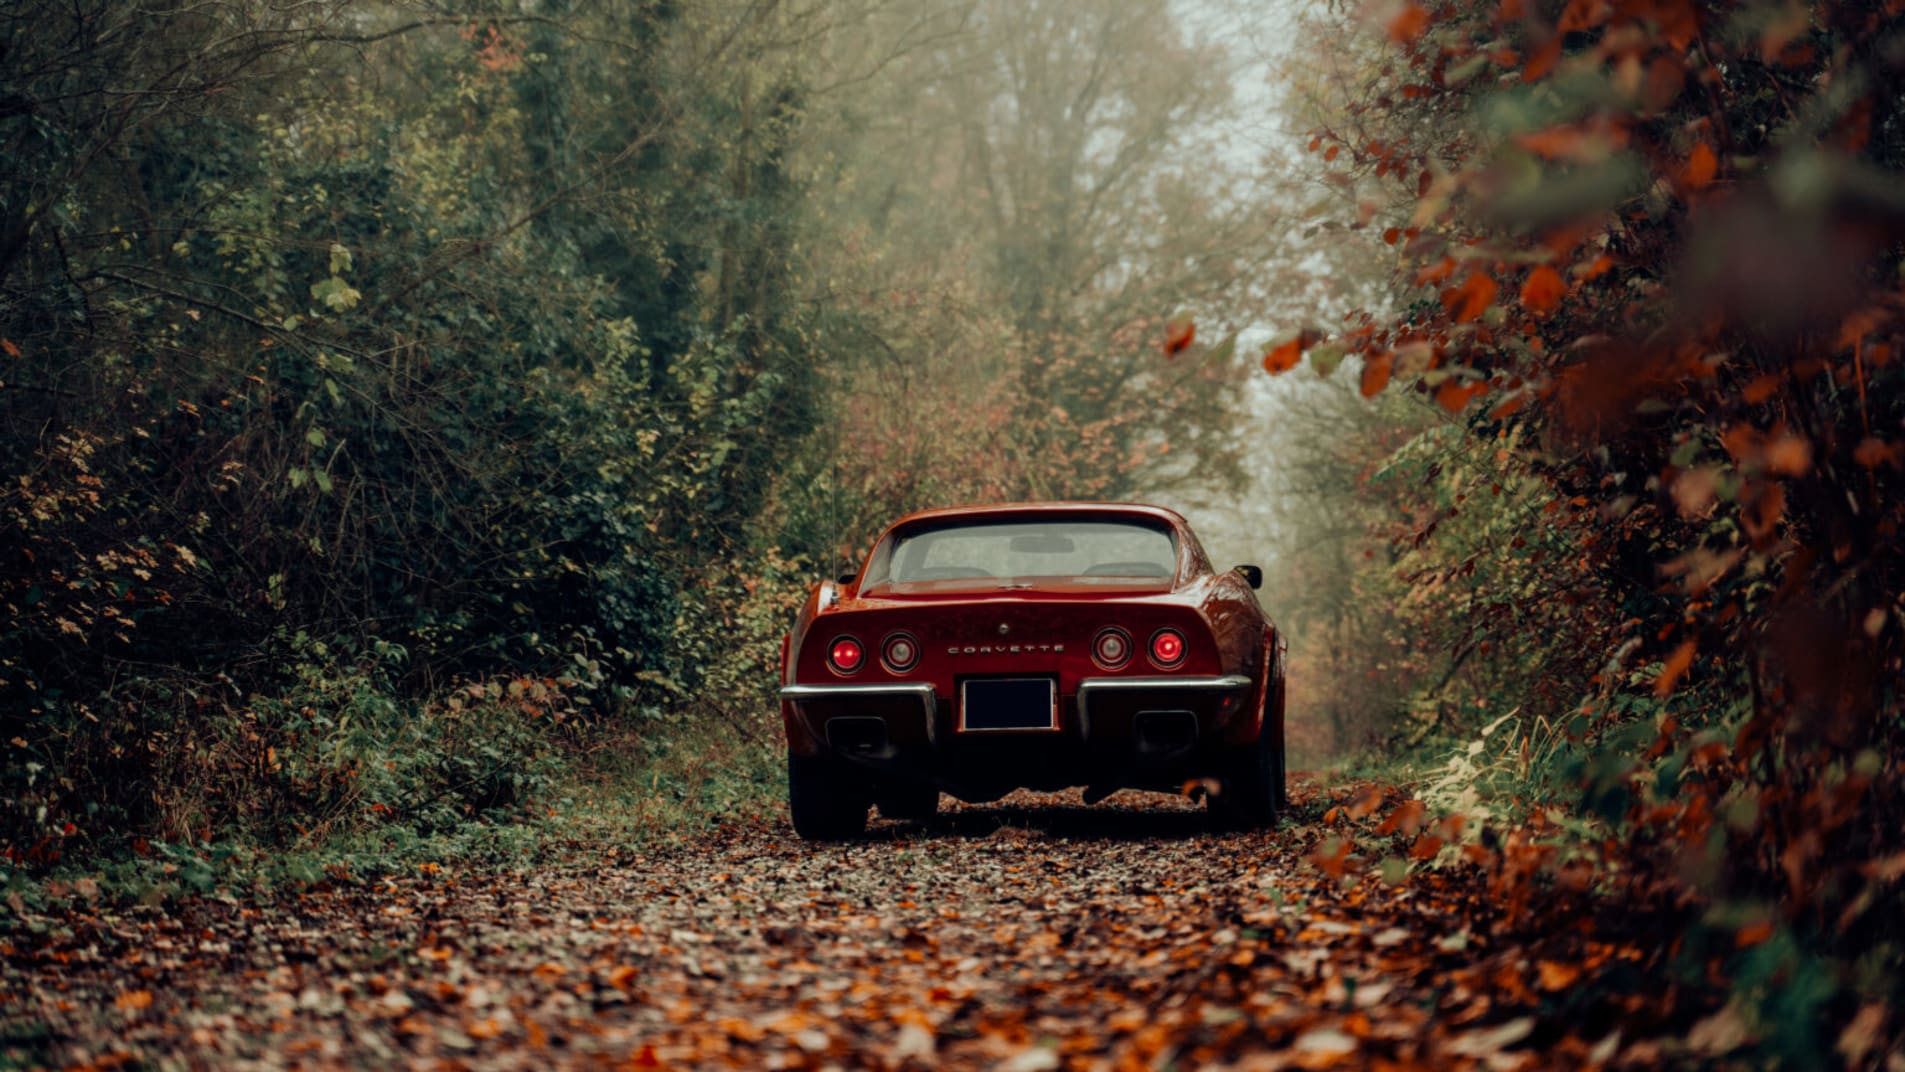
[[923, 694], [1150, 686], [800, 695]]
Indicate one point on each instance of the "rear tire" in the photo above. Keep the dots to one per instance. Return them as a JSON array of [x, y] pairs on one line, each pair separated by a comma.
[[1252, 792], [914, 802], [827, 799]]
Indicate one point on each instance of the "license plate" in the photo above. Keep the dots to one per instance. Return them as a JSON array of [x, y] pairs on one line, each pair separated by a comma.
[[1020, 703]]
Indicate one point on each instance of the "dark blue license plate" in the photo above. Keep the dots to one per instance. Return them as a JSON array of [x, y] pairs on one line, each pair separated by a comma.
[[1018, 703]]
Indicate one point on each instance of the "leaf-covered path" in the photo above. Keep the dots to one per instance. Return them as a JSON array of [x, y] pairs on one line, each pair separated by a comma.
[[1023, 936]]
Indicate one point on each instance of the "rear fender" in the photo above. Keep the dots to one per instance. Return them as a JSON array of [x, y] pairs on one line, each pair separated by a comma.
[[1267, 699]]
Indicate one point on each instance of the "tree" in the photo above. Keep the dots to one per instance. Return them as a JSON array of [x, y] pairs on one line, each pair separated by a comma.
[[1645, 255]]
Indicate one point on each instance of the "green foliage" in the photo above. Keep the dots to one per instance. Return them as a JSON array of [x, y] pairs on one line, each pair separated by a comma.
[[479, 373]]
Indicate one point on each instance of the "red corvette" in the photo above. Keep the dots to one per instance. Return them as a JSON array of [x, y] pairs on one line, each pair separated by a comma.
[[1040, 646]]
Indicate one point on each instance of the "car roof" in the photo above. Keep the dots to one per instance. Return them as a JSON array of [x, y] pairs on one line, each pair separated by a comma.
[[991, 511]]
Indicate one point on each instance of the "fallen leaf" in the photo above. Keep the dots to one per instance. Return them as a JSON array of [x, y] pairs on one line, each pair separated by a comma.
[[1491, 1041], [1721, 1033], [1406, 819], [1864, 1035], [1555, 975], [1322, 1047]]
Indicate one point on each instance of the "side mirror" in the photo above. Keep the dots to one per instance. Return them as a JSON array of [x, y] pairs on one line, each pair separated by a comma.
[[1253, 575], [847, 578]]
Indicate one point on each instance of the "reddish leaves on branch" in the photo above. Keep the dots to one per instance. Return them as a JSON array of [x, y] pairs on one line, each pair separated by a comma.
[[1674, 669], [1281, 359], [1472, 298], [1543, 290], [1376, 369], [1701, 167], [1698, 352], [1408, 24], [1455, 395], [1435, 273], [1178, 335]]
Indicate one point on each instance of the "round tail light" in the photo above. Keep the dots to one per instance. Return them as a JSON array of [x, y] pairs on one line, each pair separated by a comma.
[[1111, 648], [900, 651], [845, 655], [1167, 648]]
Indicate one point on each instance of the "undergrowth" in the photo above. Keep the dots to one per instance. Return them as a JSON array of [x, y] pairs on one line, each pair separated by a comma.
[[643, 788]]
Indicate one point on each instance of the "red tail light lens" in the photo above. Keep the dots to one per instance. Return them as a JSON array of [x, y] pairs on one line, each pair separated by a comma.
[[846, 655], [1111, 648], [900, 651], [1167, 648]]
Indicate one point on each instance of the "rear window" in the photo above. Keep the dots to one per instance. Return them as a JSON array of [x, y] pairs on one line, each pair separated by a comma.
[[1020, 549]]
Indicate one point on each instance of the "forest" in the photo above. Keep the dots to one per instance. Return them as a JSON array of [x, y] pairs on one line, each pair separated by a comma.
[[421, 420]]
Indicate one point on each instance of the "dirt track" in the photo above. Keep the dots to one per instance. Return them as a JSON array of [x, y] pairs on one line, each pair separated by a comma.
[[1030, 935]]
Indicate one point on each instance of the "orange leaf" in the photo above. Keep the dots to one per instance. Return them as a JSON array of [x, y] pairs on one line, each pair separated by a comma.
[[1856, 327], [1437, 272], [1666, 77], [1455, 395], [1873, 452], [1760, 389], [1753, 933], [1407, 817], [1554, 143], [9, 347], [1764, 506], [1674, 669], [1332, 857], [134, 1000], [1596, 268], [1425, 848], [1392, 235], [1408, 24], [1472, 298], [1542, 61], [1178, 335], [1376, 373], [1365, 803], [1284, 358], [1701, 167], [1509, 406], [1557, 976], [1543, 290], [1789, 455], [1330, 153]]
